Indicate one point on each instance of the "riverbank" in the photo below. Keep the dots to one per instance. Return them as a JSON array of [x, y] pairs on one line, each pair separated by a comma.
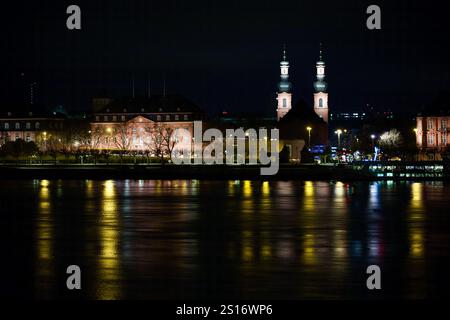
[[222, 172]]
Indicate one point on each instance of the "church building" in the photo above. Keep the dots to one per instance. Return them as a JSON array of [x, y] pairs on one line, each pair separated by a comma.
[[301, 125]]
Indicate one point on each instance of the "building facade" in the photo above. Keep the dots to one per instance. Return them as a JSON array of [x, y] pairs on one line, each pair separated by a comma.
[[30, 126], [432, 136], [137, 124]]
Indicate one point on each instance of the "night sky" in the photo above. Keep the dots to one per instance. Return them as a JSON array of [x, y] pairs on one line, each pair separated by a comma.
[[224, 55]]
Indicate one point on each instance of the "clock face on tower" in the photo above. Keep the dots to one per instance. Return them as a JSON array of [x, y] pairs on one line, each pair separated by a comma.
[[284, 71], [320, 71]]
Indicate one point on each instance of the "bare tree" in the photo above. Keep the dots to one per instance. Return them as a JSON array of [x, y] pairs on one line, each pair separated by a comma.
[[122, 140], [160, 142]]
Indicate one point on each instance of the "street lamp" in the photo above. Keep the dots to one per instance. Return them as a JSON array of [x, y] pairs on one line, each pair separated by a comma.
[[339, 132], [372, 136], [309, 136]]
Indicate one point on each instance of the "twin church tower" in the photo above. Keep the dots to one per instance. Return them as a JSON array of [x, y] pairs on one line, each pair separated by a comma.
[[284, 95]]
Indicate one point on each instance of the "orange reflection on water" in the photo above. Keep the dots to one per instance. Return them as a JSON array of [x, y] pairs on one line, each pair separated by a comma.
[[45, 230], [44, 241]]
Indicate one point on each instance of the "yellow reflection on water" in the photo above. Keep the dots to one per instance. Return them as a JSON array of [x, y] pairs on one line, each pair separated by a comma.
[[340, 192], [416, 196], [247, 188], [309, 254], [109, 260], [265, 188], [416, 217], [247, 247], [416, 247], [309, 199]]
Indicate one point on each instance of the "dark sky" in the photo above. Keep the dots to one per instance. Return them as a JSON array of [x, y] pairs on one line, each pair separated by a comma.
[[224, 55]]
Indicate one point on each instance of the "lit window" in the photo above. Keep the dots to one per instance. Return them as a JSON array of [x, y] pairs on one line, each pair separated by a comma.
[[158, 117], [444, 138], [36, 125], [320, 103], [429, 124], [284, 103], [114, 118], [430, 139], [176, 117], [105, 118], [28, 139], [167, 118], [17, 138], [28, 125], [17, 125], [185, 117], [123, 118], [6, 126], [444, 124]]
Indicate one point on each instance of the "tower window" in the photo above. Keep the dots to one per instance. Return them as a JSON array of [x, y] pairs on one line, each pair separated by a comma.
[[320, 103], [284, 103]]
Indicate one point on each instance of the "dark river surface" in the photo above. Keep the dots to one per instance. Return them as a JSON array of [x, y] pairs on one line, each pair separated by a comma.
[[189, 239]]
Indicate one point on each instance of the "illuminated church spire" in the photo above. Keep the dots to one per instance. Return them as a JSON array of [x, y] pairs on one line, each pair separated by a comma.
[[284, 96], [320, 87]]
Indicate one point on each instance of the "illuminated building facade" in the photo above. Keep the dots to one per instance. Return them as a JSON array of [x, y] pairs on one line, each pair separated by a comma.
[[30, 126], [131, 124], [432, 136]]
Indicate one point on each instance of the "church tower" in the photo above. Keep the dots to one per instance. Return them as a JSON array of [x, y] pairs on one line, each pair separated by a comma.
[[284, 95], [320, 87]]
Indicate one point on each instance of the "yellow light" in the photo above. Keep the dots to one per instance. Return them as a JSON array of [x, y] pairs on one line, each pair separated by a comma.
[[45, 183], [308, 128], [108, 130]]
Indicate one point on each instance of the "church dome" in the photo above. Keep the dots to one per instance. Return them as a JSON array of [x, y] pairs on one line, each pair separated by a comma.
[[284, 86], [320, 86]]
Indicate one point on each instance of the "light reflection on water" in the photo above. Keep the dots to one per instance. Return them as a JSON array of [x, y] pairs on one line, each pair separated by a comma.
[[236, 239]]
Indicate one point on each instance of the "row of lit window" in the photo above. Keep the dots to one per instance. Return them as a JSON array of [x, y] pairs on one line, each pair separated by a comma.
[[430, 138], [430, 123], [17, 126], [17, 137], [158, 118]]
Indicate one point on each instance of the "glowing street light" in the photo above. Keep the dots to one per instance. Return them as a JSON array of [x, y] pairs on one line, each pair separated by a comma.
[[309, 136], [372, 136], [339, 132], [109, 130]]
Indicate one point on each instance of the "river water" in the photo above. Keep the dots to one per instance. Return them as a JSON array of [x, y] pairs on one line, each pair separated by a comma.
[[189, 239]]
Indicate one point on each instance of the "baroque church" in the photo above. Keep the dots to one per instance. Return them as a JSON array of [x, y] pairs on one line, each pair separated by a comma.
[[302, 127]]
